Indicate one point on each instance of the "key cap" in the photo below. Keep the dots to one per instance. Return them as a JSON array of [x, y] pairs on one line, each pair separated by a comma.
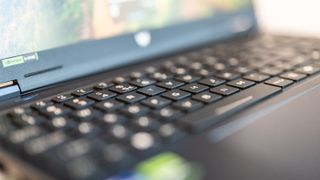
[[62, 98], [224, 90], [142, 82], [228, 76], [142, 141], [82, 91], [194, 88], [55, 110], [188, 78], [131, 97], [176, 95], [156, 102], [168, 114], [170, 84], [257, 77], [293, 76], [102, 95], [122, 88], [241, 83], [206, 97], [27, 120], [119, 133], [112, 119], [212, 81], [135, 110], [308, 69], [79, 103], [145, 123], [160, 76], [60, 123], [109, 106], [85, 114], [271, 71], [22, 135], [279, 82], [151, 90], [170, 133], [86, 129], [209, 115], [187, 105], [41, 104], [103, 85]]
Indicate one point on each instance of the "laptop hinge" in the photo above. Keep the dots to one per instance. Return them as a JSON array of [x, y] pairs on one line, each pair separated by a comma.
[[9, 89]]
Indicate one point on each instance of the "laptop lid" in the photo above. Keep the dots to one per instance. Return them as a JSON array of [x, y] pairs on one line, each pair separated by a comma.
[[48, 41]]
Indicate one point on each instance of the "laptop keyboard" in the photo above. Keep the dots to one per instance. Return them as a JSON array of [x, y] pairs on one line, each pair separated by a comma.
[[99, 129]]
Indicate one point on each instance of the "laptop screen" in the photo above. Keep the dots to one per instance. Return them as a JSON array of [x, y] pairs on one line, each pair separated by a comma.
[[32, 26]]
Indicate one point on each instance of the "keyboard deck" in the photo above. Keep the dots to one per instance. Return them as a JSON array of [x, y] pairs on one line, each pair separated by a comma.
[[96, 130]]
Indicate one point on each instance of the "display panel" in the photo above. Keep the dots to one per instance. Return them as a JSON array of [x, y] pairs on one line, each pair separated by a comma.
[[28, 26]]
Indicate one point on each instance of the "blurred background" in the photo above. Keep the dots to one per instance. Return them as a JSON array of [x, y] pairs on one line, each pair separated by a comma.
[[295, 17]]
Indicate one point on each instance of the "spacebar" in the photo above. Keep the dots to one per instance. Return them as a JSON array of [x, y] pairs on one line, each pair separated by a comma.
[[216, 112]]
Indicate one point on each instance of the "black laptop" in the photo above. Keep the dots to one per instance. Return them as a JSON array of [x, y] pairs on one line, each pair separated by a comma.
[[150, 90]]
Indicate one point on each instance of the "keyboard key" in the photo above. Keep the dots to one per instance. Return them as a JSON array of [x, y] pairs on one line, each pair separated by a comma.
[[103, 85], [102, 95], [168, 114], [122, 88], [142, 141], [209, 115], [109, 106], [176, 95], [308, 69], [228, 76], [142, 82], [271, 71], [82, 91], [151, 90], [55, 110], [243, 70], [60, 123], [131, 97], [41, 104], [79, 103], [170, 133], [206, 97], [85, 114], [86, 129], [257, 77], [112, 118], [135, 110], [293, 76], [119, 132], [212, 81], [187, 105], [156, 102], [194, 88], [22, 135], [224, 90], [120, 80], [241, 83], [27, 120], [62, 98], [279, 82], [170, 84], [145, 123], [188, 78], [160, 76]]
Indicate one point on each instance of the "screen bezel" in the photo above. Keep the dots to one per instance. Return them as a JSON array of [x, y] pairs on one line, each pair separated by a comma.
[[76, 60]]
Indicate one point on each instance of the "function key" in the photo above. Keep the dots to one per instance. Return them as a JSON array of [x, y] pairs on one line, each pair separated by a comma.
[[257, 77], [122, 88], [228, 76], [188, 105], [156, 102], [79, 103], [206, 97], [82, 91], [188, 78], [241, 83], [194, 88], [176, 95], [224, 90], [170, 84], [109, 106], [62, 98], [279, 82], [102, 85], [151, 90], [131, 97], [212, 81], [293, 76], [308, 69], [102, 95], [142, 82]]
